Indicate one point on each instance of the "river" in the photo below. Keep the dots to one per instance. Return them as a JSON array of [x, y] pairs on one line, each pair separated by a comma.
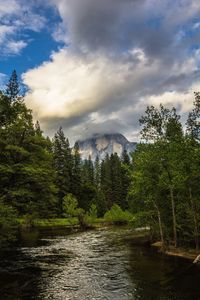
[[94, 265]]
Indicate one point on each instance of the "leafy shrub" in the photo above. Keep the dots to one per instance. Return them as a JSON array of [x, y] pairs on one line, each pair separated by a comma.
[[70, 206], [91, 216], [117, 215]]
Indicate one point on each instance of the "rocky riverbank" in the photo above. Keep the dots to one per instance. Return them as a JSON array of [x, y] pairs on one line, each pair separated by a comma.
[[190, 254]]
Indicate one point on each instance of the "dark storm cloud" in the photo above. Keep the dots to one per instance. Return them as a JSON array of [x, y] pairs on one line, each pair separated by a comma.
[[110, 25], [119, 57]]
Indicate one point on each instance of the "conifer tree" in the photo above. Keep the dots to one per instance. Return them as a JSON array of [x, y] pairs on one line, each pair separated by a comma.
[[62, 164], [125, 158], [97, 173], [13, 89], [38, 130], [76, 172], [26, 165]]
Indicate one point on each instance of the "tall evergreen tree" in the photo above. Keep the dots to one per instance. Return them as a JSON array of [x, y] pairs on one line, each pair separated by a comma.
[[13, 89], [76, 172], [26, 165], [97, 173], [63, 165], [125, 158]]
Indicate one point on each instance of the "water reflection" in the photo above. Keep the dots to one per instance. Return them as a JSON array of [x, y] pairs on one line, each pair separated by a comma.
[[95, 265]]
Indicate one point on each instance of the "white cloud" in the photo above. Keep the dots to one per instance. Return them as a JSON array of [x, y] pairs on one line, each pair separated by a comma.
[[9, 7], [120, 56], [70, 85], [5, 30], [15, 47], [95, 91], [17, 16]]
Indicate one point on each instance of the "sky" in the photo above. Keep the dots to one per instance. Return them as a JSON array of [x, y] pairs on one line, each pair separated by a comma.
[[93, 66]]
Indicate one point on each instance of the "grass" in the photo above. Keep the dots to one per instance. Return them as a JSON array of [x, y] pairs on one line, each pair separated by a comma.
[[69, 222], [54, 222]]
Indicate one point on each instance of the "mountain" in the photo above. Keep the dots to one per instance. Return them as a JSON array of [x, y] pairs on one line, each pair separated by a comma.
[[102, 144]]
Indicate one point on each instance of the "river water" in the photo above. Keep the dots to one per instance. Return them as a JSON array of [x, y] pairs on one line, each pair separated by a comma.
[[94, 265]]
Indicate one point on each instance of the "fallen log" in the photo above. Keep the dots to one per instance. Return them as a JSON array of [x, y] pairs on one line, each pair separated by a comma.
[[197, 260]]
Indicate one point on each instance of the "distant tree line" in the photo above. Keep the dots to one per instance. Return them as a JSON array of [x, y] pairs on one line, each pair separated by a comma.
[[160, 185]]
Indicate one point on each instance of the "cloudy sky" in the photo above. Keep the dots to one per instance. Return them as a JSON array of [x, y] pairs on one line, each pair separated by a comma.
[[94, 65]]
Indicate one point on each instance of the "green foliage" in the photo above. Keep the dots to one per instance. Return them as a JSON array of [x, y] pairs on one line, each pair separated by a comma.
[[115, 181], [193, 121], [143, 219], [13, 89], [160, 123], [25, 160], [8, 225], [91, 215], [55, 222], [41, 178], [88, 195], [93, 211], [63, 164], [76, 172], [70, 206], [164, 191], [117, 215]]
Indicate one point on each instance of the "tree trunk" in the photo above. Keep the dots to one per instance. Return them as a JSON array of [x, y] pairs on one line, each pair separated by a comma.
[[160, 224], [82, 221], [173, 216], [173, 206], [196, 227]]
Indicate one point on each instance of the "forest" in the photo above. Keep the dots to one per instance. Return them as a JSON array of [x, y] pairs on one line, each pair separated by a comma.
[[157, 186]]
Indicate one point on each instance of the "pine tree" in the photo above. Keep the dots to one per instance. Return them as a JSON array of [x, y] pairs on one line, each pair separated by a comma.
[[76, 172], [125, 158], [13, 89], [97, 173], [106, 182], [25, 163], [116, 183], [63, 165], [38, 130]]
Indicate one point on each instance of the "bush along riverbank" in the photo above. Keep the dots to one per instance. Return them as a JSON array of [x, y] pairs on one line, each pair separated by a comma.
[[75, 216], [75, 219]]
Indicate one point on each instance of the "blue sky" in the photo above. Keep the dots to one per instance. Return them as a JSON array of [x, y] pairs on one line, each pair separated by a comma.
[[38, 41], [93, 66]]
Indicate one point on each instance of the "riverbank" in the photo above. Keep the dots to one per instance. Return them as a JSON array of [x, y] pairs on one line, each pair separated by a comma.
[[46, 223], [68, 222], [186, 253], [140, 237], [56, 223]]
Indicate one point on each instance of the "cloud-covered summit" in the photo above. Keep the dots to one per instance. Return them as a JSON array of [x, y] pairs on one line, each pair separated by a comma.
[[118, 56]]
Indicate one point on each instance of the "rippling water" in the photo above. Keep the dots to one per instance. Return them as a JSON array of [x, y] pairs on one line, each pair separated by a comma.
[[91, 265]]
